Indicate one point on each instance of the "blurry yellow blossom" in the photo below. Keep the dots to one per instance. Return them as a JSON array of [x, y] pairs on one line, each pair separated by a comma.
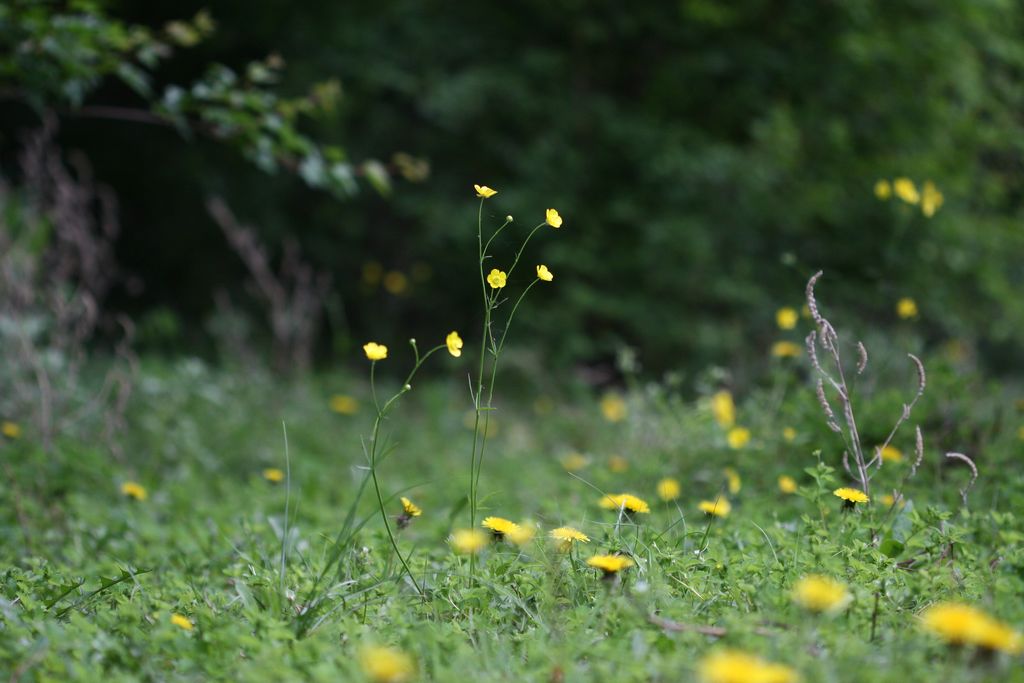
[[410, 508], [821, 594], [454, 343], [1020, 433], [960, 624], [521, 534], [12, 430], [723, 408], [565, 536], [273, 475], [787, 484], [372, 273], [789, 434], [733, 666], [484, 192], [499, 526], [883, 190], [891, 454], [496, 278], [851, 496], [544, 274], [386, 665], [469, 541], [624, 501], [733, 477], [668, 489], [738, 437], [931, 199], [610, 564], [906, 308], [905, 189], [181, 622], [786, 318], [395, 282], [574, 462], [786, 349], [888, 500], [618, 464], [344, 405], [469, 422], [613, 407], [720, 507], [375, 351], [134, 490], [552, 218]]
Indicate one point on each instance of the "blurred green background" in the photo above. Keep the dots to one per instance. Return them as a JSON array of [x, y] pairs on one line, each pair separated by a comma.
[[707, 158]]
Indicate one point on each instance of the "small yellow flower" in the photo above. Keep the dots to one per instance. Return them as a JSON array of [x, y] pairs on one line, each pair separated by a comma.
[[786, 349], [454, 343], [12, 430], [618, 464], [273, 475], [499, 526], [553, 219], [134, 490], [821, 594], [787, 484], [1020, 433], [719, 508], [851, 496], [395, 282], [410, 508], [789, 434], [668, 489], [888, 500], [786, 318], [182, 622], [724, 409], [733, 666], [960, 624], [624, 501], [883, 189], [469, 541], [738, 437], [613, 407], [484, 192], [610, 564], [574, 462], [521, 534], [375, 351], [544, 274], [733, 477], [386, 665], [565, 536], [344, 405], [906, 308], [496, 278], [905, 189], [891, 454], [931, 199]]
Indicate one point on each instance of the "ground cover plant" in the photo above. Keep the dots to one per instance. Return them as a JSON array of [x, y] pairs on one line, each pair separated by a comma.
[[854, 518]]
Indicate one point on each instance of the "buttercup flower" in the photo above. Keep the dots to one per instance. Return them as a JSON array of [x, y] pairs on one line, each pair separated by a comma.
[[565, 536], [544, 274], [624, 501], [738, 437], [906, 308], [613, 407], [134, 490], [182, 622], [12, 430], [905, 189], [891, 454], [786, 318], [553, 219], [719, 508], [344, 405], [733, 477], [883, 189], [610, 564], [668, 489], [733, 666], [484, 192], [851, 496], [960, 624], [496, 278], [789, 434], [931, 199], [273, 475], [787, 484], [375, 351], [574, 462], [786, 349], [723, 408], [821, 594], [499, 526], [386, 665], [469, 541], [454, 343]]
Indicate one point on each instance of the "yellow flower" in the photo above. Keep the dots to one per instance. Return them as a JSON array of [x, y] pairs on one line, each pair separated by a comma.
[[273, 475], [521, 534], [574, 462], [734, 480], [134, 490], [396, 282], [618, 464], [906, 308], [960, 624], [931, 199], [610, 564], [821, 594], [553, 219], [786, 318], [719, 508], [733, 666], [386, 665], [906, 190], [789, 434], [888, 500], [566, 536], [375, 351], [787, 484], [668, 489], [624, 501], [1020, 433], [851, 496], [496, 278], [469, 541], [499, 526], [891, 454], [12, 430], [723, 408], [344, 405], [786, 349], [182, 622], [544, 274], [410, 508], [883, 189], [738, 437], [454, 343], [484, 192], [613, 407]]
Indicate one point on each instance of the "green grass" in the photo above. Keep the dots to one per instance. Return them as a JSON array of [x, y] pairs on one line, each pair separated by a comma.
[[90, 578]]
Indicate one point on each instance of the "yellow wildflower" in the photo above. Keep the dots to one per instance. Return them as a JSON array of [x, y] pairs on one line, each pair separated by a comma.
[[618, 464], [410, 508], [468, 541], [574, 462], [931, 199], [454, 343], [484, 192], [851, 496], [821, 594], [906, 308], [12, 430], [552, 218], [613, 407], [905, 189], [182, 622], [789, 434], [1020, 433], [787, 484], [733, 478], [273, 475], [719, 508], [344, 405], [738, 437], [668, 489], [960, 624], [786, 349], [891, 454], [610, 564], [724, 409], [566, 536], [499, 526], [521, 534], [889, 500], [733, 666], [134, 490], [544, 274], [786, 318], [496, 278], [624, 501], [883, 189], [375, 351], [395, 282], [386, 665]]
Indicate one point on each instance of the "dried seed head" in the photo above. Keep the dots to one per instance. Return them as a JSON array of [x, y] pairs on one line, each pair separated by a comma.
[[974, 473], [862, 358]]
